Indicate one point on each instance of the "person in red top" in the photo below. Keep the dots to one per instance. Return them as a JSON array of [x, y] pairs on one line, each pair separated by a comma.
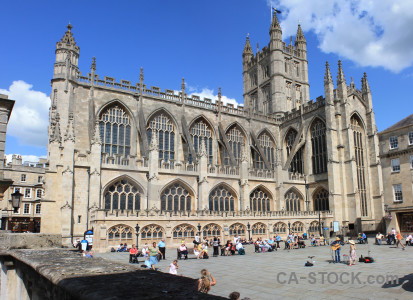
[[133, 254], [399, 239]]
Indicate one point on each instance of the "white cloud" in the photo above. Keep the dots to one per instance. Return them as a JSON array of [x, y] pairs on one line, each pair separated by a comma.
[[29, 118], [29, 158], [211, 94], [373, 33]]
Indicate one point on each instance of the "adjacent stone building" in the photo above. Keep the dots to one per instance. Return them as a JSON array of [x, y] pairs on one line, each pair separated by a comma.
[[28, 178], [396, 155], [122, 154]]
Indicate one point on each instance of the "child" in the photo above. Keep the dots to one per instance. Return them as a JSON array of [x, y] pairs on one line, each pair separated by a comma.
[[173, 267], [353, 255]]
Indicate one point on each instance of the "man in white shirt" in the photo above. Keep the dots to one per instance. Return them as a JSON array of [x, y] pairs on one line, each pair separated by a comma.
[[236, 239]]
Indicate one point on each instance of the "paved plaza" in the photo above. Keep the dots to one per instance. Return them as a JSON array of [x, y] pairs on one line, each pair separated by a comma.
[[282, 274]]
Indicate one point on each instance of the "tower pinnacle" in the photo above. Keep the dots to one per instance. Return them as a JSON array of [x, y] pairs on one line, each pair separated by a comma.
[[327, 77], [340, 74], [247, 48]]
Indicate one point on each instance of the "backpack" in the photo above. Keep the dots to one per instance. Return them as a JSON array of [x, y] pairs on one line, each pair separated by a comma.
[[112, 249], [368, 260]]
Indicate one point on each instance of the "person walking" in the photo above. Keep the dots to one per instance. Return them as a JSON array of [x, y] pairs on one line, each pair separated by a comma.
[[399, 239], [215, 245], [206, 282], [161, 246], [152, 258], [353, 255]]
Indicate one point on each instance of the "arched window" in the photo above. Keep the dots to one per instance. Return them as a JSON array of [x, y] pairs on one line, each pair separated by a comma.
[[164, 128], [259, 200], [297, 163], [314, 228], [321, 200], [258, 229], [120, 234], [236, 141], [292, 201], [319, 147], [297, 227], [358, 135], [201, 130], [280, 228], [183, 232], [176, 198], [211, 230], [123, 194], [115, 131], [237, 228], [221, 199], [268, 146], [152, 233]]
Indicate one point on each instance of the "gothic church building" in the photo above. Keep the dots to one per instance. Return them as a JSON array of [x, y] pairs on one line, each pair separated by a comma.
[[122, 154]]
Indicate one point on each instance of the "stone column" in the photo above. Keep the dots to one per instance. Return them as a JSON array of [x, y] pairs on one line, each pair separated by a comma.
[[95, 159], [244, 181], [153, 174], [203, 177]]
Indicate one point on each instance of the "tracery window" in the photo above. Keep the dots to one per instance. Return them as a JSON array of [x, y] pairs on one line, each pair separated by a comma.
[[221, 199], [297, 163], [211, 230], [120, 234], [259, 200], [359, 155], [297, 227], [319, 147], [200, 130], [236, 142], [164, 128], [151, 233], [115, 131], [268, 146], [321, 200], [292, 201], [123, 194], [280, 228], [237, 228], [258, 229], [314, 228], [176, 198], [184, 231]]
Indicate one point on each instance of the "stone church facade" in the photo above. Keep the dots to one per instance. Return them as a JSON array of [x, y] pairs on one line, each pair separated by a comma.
[[122, 154]]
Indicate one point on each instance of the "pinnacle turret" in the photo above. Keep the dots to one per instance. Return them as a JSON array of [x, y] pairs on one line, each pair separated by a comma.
[[340, 74], [68, 38], [96, 135], [93, 66], [327, 77], [299, 37], [365, 87], [247, 48], [275, 25]]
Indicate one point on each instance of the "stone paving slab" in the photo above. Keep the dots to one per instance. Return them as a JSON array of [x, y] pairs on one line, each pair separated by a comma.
[[282, 274]]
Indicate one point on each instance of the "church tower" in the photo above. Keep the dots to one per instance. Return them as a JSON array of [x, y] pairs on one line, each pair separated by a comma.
[[275, 80]]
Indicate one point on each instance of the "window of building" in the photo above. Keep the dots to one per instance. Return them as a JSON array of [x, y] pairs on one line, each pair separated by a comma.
[[123, 234], [297, 227], [221, 199], [201, 130], [79, 219], [395, 165], [293, 201], [266, 71], [358, 138], [319, 147], [151, 233], [411, 161], [259, 200], [236, 142], [27, 193], [23, 177], [398, 194], [211, 230], [184, 231], [162, 125], [125, 191], [17, 189], [115, 132], [26, 209], [176, 198], [16, 211], [411, 138], [258, 229], [394, 143], [297, 163], [280, 228], [40, 179], [268, 147], [237, 229], [321, 200], [39, 194], [38, 208]]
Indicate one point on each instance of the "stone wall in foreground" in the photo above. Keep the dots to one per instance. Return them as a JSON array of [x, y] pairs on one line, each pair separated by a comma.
[[29, 240]]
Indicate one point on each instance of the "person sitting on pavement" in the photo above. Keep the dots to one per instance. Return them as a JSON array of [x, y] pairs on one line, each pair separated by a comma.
[[121, 248], [145, 250], [240, 248], [183, 250], [133, 254], [409, 240], [379, 237]]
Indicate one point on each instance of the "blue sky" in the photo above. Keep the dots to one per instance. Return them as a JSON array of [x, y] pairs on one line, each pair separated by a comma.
[[203, 42]]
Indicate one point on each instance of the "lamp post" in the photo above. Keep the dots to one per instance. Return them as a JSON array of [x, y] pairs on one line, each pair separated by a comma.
[[387, 217], [289, 228], [319, 221], [307, 202], [249, 231], [15, 199], [137, 235], [199, 229]]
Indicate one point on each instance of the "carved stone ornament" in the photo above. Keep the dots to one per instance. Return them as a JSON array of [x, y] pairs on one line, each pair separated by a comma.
[[95, 172], [67, 170], [66, 206]]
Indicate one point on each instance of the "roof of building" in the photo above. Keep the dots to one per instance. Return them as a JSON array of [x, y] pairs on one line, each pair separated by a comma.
[[403, 123]]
